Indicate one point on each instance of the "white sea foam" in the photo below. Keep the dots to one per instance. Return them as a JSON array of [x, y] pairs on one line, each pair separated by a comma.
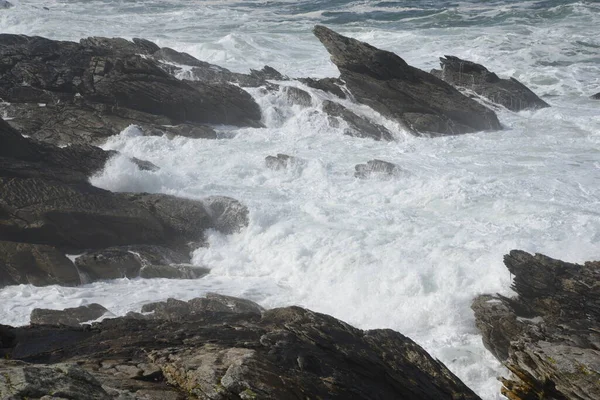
[[408, 253]]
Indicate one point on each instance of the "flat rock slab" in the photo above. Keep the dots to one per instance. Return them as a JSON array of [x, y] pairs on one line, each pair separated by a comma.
[[509, 93], [424, 104], [69, 316]]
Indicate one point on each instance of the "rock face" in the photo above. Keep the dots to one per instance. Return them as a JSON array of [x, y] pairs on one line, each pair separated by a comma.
[[329, 85], [548, 335], [98, 86], [510, 93], [24, 263], [358, 126], [69, 316], [423, 103], [223, 348]]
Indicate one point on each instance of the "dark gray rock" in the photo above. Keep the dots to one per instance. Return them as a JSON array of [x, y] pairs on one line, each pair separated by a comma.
[[147, 46], [548, 335], [226, 348], [281, 161], [6, 4], [297, 96], [174, 271], [358, 126], [69, 316], [24, 263], [377, 168], [596, 96], [329, 85], [19, 380], [127, 261], [423, 103], [227, 215], [509, 93]]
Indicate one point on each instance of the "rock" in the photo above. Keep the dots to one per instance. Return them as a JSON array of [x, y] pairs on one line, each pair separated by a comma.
[[127, 262], [509, 93], [118, 45], [20, 380], [376, 168], [69, 316], [297, 96], [189, 130], [38, 265], [175, 271], [329, 85], [5, 4], [147, 46], [423, 103], [358, 126], [73, 216], [226, 348], [282, 161], [227, 215], [110, 71], [596, 96], [547, 335]]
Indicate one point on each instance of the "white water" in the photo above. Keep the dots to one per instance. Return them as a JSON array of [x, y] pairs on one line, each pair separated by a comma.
[[408, 253]]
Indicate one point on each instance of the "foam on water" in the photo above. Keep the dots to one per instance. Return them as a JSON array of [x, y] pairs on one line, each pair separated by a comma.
[[408, 253]]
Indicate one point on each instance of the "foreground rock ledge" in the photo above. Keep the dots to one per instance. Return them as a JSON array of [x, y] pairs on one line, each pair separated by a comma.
[[423, 103], [549, 334], [220, 348]]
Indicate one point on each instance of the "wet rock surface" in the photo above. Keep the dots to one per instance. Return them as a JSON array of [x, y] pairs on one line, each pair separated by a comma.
[[357, 126], [281, 161], [376, 168], [596, 96], [423, 103], [69, 316], [549, 334], [221, 347], [509, 93], [329, 85]]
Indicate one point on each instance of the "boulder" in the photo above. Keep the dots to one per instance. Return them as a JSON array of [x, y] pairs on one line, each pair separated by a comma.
[[357, 126], [329, 85], [281, 161], [69, 316], [174, 271], [227, 348], [227, 215], [297, 96], [426, 105], [38, 265], [376, 168], [596, 96], [509, 93], [547, 335]]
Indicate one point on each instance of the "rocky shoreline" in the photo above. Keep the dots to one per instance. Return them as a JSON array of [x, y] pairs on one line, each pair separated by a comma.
[[62, 99]]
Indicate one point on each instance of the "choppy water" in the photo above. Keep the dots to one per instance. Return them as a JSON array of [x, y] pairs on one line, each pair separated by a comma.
[[408, 253]]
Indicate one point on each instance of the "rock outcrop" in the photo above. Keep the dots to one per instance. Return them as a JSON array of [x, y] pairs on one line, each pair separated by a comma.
[[549, 334], [70, 316], [281, 161], [220, 348], [426, 105], [509, 93], [329, 85], [357, 126], [596, 96]]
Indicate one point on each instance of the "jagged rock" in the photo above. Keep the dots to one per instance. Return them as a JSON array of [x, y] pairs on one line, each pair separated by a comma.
[[227, 215], [376, 168], [175, 271], [147, 46], [19, 380], [358, 126], [329, 85], [190, 131], [548, 335], [69, 316], [596, 96], [423, 103], [297, 96], [110, 71], [510, 93], [282, 161], [126, 261], [118, 45], [226, 348], [24, 263]]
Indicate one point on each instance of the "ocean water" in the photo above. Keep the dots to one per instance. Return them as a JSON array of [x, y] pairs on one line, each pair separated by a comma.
[[408, 253]]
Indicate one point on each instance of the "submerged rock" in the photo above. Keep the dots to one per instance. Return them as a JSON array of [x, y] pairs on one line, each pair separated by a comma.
[[69, 316], [510, 93], [281, 161], [174, 271], [376, 168], [358, 126], [227, 348], [548, 335], [329, 85], [38, 265], [596, 96], [423, 103], [297, 96]]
